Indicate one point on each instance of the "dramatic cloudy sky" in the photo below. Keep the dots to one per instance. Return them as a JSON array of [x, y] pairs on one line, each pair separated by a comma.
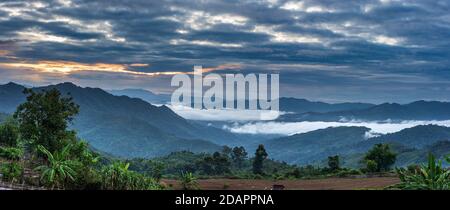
[[373, 50]]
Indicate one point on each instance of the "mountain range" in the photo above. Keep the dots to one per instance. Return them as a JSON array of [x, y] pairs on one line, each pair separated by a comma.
[[145, 95], [308, 148], [298, 106], [296, 110], [128, 127], [304, 110], [124, 125], [418, 110]]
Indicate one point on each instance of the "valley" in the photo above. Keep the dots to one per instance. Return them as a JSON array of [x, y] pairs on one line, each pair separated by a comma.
[[148, 131], [162, 150]]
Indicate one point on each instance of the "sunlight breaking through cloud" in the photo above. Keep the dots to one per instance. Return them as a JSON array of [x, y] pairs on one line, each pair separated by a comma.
[[68, 67]]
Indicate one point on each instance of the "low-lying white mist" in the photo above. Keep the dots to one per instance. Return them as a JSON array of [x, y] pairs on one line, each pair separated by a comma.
[[290, 128], [245, 122], [224, 114]]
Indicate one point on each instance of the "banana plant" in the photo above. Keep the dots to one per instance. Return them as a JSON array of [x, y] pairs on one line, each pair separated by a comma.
[[59, 169], [432, 176], [188, 181]]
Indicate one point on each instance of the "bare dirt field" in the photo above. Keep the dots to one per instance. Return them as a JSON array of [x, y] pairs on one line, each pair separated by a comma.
[[313, 184]]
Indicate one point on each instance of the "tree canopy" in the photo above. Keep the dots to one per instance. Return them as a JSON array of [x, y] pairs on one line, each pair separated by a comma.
[[44, 118], [380, 158], [260, 156]]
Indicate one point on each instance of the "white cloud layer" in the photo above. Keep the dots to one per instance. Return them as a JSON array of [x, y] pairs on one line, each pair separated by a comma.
[[282, 128], [224, 114]]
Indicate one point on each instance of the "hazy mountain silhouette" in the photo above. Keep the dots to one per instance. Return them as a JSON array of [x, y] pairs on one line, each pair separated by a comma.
[[418, 110], [142, 94], [307, 148], [126, 126], [299, 106]]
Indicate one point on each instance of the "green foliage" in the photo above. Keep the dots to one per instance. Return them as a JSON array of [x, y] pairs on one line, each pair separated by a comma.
[[59, 169], [345, 172], [80, 150], [215, 164], [44, 117], [152, 168], [65, 162], [427, 177], [9, 133], [296, 173], [11, 153], [260, 156], [379, 158], [226, 151], [188, 181], [11, 171], [333, 163], [88, 177], [239, 155], [371, 166], [157, 171], [117, 177]]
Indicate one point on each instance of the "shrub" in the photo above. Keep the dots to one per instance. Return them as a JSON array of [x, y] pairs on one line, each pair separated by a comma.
[[333, 163], [12, 172], [348, 172], [371, 166], [87, 175], [11, 153], [188, 181], [9, 133], [258, 176], [117, 177]]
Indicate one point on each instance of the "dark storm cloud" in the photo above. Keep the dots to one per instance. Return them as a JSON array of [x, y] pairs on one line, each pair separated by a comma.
[[316, 45]]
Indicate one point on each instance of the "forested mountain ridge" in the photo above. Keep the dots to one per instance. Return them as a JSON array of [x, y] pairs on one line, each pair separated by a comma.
[[125, 126], [418, 110]]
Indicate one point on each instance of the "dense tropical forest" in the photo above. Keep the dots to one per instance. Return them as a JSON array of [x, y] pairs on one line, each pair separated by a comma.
[[37, 149]]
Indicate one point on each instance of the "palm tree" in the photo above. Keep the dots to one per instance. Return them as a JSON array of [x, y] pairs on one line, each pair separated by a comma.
[[59, 168]]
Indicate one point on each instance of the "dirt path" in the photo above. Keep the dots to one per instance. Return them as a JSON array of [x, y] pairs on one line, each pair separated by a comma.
[[315, 184]]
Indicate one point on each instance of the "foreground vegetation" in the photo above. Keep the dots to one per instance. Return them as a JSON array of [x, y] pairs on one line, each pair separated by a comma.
[[38, 149]]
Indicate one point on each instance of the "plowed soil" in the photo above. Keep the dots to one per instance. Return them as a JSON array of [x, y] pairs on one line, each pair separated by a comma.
[[313, 184]]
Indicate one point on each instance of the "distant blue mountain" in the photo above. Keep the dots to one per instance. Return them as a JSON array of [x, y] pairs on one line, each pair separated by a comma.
[[292, 105], [419, 110], [145, 95], [299, 106], [10, 96], [416, 137], [306, 148], [314, 146]]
